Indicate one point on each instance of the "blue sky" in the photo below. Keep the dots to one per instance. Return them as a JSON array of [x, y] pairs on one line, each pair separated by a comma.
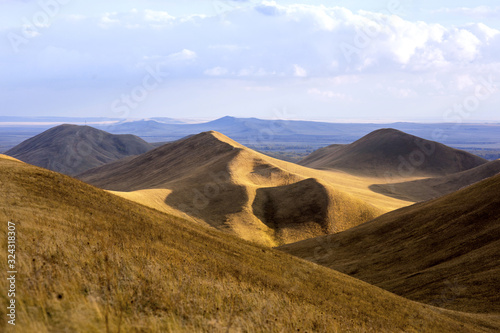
[[393, 60]]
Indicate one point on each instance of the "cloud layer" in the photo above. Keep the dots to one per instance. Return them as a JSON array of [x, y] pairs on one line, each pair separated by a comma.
[[259, 45]]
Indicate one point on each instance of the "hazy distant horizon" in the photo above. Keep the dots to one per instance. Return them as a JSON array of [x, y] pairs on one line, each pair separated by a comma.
[[55, 120]]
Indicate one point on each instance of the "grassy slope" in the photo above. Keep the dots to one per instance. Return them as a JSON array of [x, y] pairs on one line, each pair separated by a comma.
[[72, 149], [445, 251], [430, 188], [389, 153], [89, 260], [214, 179]]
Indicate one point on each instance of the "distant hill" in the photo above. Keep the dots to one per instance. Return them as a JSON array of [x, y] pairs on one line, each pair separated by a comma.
[[254, 131], [445, 252], [72, 149], [430, 188], [286, 137], [391, 153], [100, 263], [219, 181], [249, 131]]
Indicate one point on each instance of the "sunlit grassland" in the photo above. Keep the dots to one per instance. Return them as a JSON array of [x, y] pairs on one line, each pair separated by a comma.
[[89, 261]]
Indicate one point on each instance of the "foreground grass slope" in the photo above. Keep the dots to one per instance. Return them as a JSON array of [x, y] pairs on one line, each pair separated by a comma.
[[89, 261], [444, 251]]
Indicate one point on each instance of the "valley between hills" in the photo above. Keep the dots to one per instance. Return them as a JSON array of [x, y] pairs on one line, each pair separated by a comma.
[[389, 233]]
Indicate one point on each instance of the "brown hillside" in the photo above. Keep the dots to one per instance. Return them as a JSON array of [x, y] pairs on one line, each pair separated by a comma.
[[5, 157], [89, 261], [390, 153], [430, 188], [72, 149], [444, 252], [214, 179]]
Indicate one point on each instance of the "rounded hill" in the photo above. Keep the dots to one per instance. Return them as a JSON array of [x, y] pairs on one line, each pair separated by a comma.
[[72, 149]]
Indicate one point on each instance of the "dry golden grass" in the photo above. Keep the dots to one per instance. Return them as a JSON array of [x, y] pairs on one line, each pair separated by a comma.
[[212, 178], [444, 252], [430, 188], [391, 152], [5, 157], [89, 261]]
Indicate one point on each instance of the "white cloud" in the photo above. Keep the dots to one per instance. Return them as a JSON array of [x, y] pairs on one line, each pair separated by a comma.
[[109, 19], [183, 55], [157, 16], [299, 71], [296, 40], [262, 44], [216, 71]]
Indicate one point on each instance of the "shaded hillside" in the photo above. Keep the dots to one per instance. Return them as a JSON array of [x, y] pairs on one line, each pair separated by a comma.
[[444, 252], [215, 179], [429, 188], [99, 263], [390, 153], [72, 149]]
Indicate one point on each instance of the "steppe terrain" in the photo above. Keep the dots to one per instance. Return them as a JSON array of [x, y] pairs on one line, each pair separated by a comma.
[[98, 262], [449, 245], [388, 233], [72, 149]]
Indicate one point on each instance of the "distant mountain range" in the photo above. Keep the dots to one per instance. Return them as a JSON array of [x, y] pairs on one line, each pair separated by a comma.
[[301, 137], [253, 131]]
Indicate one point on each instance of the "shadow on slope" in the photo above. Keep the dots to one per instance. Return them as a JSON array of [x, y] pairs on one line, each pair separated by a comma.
[[430, 188], [444, 252], [215, 179], [94, 262]]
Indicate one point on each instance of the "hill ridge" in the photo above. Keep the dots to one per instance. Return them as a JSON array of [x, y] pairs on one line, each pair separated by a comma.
[[214, 179], [72, 149], [100, 263], [391, 153], [417, 251], [430, 188]]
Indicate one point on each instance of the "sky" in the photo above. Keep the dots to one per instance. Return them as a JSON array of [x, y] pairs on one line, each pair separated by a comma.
[[339, 61]]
